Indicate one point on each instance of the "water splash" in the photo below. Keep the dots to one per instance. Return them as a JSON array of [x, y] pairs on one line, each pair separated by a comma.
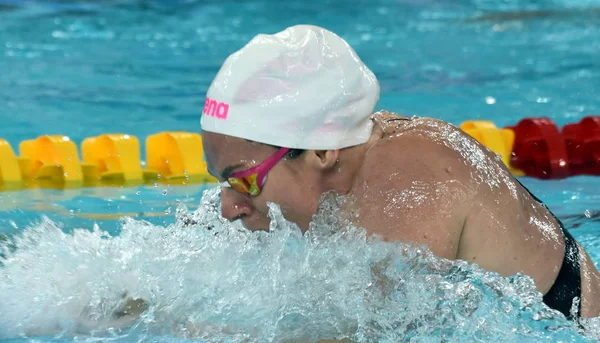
[[206, 279]]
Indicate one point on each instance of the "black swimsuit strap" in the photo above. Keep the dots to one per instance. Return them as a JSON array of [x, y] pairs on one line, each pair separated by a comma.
[[567, 285]]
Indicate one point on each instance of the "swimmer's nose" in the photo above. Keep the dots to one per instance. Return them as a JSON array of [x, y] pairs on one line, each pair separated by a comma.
[[234, 205]]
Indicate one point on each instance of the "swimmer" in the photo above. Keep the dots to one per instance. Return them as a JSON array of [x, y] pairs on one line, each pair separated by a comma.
[[291, 116]]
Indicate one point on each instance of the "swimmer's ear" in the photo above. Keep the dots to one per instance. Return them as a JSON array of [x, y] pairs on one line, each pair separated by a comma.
[[323, 159]]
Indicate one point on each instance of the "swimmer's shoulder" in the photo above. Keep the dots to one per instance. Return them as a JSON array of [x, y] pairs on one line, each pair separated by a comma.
[[403, 171], [421, 148], [416, 143]]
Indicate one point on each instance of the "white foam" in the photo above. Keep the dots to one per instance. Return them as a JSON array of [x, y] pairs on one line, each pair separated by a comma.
[[229, 284]]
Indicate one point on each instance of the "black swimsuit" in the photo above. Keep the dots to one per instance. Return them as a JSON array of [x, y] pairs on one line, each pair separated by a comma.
[[568, 282]]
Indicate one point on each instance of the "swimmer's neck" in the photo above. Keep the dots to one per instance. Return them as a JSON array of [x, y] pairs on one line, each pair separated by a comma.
[[342, 177]]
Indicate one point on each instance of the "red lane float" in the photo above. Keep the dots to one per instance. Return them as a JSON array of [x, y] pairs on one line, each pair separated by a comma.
[[582, 141], [539, 149]]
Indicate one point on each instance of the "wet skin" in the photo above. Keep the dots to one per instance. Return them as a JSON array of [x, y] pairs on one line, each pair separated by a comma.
[[420, 181]]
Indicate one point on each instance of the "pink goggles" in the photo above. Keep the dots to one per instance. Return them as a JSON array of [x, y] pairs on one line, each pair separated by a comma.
[[251, 181]]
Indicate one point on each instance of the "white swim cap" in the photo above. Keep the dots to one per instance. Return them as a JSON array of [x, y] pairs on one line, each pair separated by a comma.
[[302, 88]]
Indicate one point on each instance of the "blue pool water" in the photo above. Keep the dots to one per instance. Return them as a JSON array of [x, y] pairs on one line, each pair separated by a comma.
[[84, 68]]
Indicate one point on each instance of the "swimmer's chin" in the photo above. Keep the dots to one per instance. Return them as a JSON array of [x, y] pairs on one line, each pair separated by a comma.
[[254, 226]]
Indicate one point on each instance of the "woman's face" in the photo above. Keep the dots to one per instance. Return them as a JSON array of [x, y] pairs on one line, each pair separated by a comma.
[[291, 184]]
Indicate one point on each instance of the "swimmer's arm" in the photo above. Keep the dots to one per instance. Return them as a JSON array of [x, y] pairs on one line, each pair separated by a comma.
[[415, 190]]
